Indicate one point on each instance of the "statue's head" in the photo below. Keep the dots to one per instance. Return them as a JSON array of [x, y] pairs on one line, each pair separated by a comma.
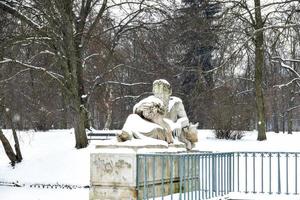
[[162, 90]]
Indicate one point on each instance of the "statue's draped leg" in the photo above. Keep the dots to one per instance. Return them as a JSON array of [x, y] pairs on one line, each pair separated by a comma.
[[137, 127]]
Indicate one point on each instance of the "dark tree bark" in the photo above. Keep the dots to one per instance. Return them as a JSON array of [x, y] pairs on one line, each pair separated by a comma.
[[16, 139], [283, 122], [70, 33], [275, 122], [290, 112], [259, 64], [109, 107], [8, 149]]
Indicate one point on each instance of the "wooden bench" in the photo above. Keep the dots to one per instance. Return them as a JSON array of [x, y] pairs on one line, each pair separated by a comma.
[[101, 134]]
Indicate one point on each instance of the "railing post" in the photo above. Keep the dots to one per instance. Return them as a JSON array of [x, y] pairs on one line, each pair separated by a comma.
[[145, 193], [196, 177], [262, 172], [279, 179], [171, 175], [227, 172], [246, 172], [137, 176], [180, 176], [192, 177], [233, 172], [270, 173], [198, 174], [222, 175], [202, 177], [206, 174], [238, 173], [296, 174], [213, 176], [184, 180], [287, 173], [189, 176], [209, 176], [162, 177], [153, 174], [254, 157]]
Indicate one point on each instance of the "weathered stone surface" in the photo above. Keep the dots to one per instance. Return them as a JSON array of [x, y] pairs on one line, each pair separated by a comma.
[[113, 172], [113, 193], [113, 176], [113, 169]]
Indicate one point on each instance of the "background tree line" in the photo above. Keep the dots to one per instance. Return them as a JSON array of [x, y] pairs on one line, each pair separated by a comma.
[[85, 63]]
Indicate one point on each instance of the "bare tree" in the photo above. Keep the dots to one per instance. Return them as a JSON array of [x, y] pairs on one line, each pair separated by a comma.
[[65, 29]]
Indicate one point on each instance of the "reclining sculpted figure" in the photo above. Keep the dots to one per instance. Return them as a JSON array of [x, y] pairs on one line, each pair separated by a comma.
[[160, 116]]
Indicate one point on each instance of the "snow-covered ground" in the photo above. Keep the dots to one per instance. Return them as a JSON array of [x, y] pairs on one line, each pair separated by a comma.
[[274, 142], [50, 157]]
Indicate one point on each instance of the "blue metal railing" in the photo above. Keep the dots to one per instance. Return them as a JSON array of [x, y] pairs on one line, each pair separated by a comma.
[[208, 175], [267, 172]]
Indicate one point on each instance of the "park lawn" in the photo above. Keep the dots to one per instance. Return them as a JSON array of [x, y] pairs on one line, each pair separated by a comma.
[[50, 158]]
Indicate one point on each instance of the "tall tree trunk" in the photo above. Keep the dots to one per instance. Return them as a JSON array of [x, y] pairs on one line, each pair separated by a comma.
[[108, 118], [259, 64], [80, 133], [283, 122], [275, 115], [73, 77], [108, 105], [16, 139], [291, 91], [290, 122], [8, 149], [290, 112], [17, 146], [79, 114], [275, 122], [64, 113]]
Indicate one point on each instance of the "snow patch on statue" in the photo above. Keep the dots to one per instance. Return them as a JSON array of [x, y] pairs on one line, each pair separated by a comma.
[[160, 116]]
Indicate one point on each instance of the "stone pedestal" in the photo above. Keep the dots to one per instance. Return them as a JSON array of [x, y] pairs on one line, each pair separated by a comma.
[[113, 171]]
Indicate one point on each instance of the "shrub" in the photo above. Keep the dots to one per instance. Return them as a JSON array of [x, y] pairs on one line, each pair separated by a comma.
[[229, 134]]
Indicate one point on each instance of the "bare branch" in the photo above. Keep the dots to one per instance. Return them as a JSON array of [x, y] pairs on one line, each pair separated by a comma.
[[53, 75], [13, 76], [292, 108], [287, 84], [7, 8], [123, 84], [97, 19], [131, 96]]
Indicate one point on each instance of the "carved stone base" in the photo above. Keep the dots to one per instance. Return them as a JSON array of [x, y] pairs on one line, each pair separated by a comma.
[[113, 169]]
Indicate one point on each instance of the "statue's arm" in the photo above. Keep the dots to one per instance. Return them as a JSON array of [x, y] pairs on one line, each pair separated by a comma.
[[182, 118]]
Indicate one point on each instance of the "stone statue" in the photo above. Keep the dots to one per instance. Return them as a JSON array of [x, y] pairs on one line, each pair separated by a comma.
[[160, 116]]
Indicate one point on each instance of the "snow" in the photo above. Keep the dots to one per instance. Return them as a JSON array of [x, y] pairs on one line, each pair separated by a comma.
[[14, 193], [148, 102], [275, 142], [135, 123], [173, 101], [50, 157], [161, 81], [134, 142]]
